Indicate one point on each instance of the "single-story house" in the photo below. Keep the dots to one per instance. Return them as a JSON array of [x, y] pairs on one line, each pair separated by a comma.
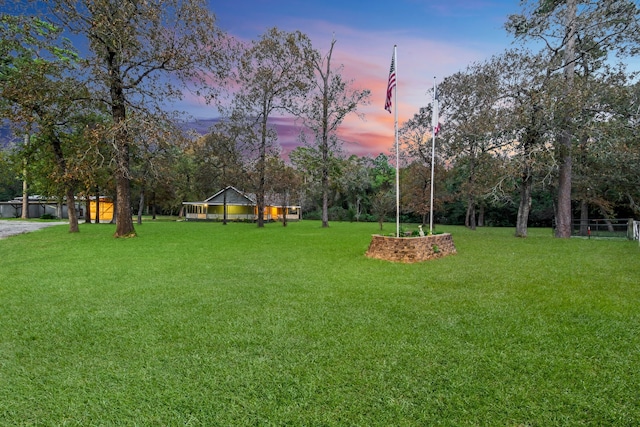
[[239, 206]]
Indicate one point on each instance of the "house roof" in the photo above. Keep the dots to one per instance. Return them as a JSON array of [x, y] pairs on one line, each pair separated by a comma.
[[234, 197], [238, 198]]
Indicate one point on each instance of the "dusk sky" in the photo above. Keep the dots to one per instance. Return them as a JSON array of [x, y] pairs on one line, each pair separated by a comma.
[[434, 39]]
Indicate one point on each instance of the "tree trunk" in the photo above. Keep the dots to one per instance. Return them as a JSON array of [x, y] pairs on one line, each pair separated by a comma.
[[324, 148], [59, 208], [584, 218], [25, 186], [153, 205], [68, 184], [564, 215], [71, 210], [523, 210], [470, 219], [525, 204], [262, 167], [25, 195], [607, 219], [260, 203], [97, 205], [124, 220], [140, 205], [325, 206], [481, 216], [87, 208]]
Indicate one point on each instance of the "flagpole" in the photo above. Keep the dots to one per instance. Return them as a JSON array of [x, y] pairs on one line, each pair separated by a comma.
[[434, 124], [395, 126]]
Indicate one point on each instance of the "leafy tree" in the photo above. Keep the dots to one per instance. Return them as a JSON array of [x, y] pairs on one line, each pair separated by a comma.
[[158, 146], [523, 86], [331, 100], [218, 160], [574, 31], [471, 101], [606, 160], [274, 73], [354, 182], [10, 186], [304, 159], [38, 95], [383, 178], [142, 55]]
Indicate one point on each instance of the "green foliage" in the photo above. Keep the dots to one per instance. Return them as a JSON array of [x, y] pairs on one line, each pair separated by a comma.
[[10, 186], [204, 324]]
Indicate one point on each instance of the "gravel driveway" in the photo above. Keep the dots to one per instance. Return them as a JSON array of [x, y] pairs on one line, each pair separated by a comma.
[[11, 228]]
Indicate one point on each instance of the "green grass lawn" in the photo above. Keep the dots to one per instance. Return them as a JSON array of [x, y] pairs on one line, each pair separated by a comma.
[[202, 324]]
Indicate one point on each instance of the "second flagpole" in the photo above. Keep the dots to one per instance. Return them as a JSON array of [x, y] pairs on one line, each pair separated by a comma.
[[434, 127]]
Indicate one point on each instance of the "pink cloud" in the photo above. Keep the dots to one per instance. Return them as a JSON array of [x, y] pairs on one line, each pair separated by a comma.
[[366, 57]]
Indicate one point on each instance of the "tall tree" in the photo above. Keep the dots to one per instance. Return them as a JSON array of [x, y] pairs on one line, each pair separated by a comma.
[[332, 99], [472, 103], [274, 73], [524, 87], [38, 93], [142, 54], [571, 30]]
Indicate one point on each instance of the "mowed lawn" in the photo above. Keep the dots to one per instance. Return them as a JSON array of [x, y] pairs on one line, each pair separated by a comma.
[[201, 324]]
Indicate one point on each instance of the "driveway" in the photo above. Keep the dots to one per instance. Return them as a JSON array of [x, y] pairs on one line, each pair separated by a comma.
[[11, 228]]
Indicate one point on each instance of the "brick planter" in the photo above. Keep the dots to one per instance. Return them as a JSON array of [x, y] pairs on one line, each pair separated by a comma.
[[411, 249]]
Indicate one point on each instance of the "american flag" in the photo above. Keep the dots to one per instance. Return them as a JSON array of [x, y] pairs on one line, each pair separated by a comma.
[[392, 82]]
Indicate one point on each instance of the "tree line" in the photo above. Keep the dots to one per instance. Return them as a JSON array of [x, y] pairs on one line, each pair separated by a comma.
[[527, 136]]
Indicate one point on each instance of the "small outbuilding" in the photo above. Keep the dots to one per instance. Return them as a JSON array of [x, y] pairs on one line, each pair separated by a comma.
[[37, 206], [103, 206], [239, 206]]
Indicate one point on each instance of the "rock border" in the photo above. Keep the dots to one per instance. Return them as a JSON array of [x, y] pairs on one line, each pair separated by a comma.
[[411, 249]]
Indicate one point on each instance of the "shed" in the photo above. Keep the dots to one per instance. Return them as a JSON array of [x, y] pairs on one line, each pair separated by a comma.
[[105, 206]]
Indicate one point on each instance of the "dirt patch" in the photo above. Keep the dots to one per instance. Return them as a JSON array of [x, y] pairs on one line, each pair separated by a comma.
[[11, 228]]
